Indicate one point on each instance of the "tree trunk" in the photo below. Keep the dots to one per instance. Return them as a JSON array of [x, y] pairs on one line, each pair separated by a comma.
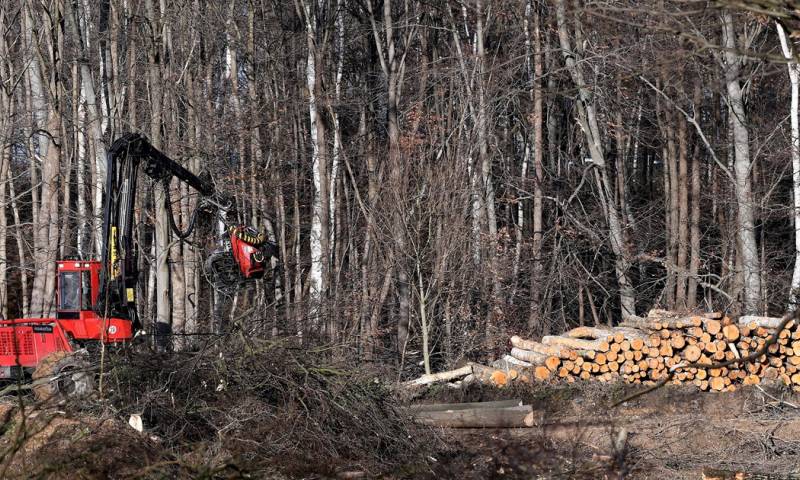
[[538, 169], [391, 66], [4, 168], [19, 233], [163, 325], [683, 215], [794, 79], [588, 120], [694, 234], [487, 182], [92, 124], [6, 113], [319, 164], [48, 127], [748, 250]]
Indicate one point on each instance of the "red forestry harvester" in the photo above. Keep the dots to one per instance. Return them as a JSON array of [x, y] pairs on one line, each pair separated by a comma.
[[95, 299]]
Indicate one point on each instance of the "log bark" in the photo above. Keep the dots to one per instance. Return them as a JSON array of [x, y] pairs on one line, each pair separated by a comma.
[[764, 322], [528, 356], [440, 376], [573, 343], [657, 323], [523, 344], [508, 363], [597, 333], [591, 333], [508, 417]]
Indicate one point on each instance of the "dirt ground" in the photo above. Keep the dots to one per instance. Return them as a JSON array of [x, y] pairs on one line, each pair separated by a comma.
[[675, 432]]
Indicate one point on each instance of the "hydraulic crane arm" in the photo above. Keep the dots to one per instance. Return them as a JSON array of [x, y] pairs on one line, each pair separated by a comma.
[[119, 275]]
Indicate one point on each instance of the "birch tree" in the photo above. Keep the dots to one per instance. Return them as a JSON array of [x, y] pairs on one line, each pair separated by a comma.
[[320, 220]]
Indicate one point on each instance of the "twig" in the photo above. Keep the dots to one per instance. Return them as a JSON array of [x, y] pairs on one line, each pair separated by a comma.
[[776, 399]]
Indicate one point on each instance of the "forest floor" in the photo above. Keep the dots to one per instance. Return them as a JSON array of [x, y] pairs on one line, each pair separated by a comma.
[[675, 432], [196, 426]]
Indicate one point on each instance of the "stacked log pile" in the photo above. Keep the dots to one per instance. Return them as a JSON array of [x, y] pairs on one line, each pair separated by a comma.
[[645, 350]]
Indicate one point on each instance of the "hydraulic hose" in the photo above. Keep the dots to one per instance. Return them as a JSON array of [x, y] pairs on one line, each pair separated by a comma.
[[183, 235]]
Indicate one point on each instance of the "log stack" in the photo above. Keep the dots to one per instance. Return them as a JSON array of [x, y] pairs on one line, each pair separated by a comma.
[[644, 350]]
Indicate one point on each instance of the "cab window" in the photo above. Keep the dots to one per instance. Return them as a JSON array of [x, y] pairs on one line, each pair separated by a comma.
[[86, 290], [69, 294]]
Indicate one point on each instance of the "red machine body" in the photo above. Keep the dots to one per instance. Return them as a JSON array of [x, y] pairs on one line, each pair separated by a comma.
[[25, 342]]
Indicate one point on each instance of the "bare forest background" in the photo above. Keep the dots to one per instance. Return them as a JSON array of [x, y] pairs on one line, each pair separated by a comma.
[[436, 174]]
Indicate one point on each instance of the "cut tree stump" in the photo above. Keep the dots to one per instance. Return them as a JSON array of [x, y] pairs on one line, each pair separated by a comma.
[[553, 363], [499, 378], [692, 353], [717, 383], [712, 327], [542, 373], [507, 417], [731, 332]]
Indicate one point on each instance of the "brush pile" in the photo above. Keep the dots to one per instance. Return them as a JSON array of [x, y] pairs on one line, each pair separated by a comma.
[[237, 407], [644, 350]]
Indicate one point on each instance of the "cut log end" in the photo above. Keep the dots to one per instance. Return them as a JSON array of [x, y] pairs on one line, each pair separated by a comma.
[[541, 373]]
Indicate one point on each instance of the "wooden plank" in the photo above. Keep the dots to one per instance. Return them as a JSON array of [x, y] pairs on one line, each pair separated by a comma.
[[443, 407], [508, 417]]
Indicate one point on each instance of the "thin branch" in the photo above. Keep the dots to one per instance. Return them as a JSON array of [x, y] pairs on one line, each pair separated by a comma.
[[693, 120]]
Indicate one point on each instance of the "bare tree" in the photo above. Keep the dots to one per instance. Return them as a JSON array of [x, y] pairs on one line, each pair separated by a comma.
[[587, 118], [794, 79], [748, 249]]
